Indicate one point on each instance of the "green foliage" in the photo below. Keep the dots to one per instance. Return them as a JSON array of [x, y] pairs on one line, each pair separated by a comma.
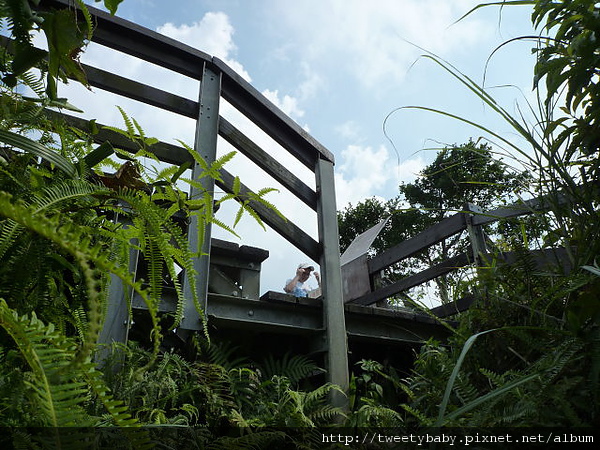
[[172, 391], [569, 62], [292, 367], [374, 397], [57, 394], [526, 354], [67, 228], [468, 173], [66, 38]]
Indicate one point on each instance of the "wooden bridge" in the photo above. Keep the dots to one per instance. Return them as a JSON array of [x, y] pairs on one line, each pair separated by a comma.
[[343, 326]]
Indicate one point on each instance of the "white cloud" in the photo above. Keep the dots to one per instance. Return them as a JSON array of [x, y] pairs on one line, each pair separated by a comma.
[[370, 39], [312, 84], [287, 103], [213, 34], [349, 130], [365, 172], [361, 173]]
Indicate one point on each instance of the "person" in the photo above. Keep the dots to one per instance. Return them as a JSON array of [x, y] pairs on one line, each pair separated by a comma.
[[297, 286]]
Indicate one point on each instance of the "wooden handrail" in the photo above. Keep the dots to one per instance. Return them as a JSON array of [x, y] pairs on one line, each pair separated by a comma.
[[438, 232], [471, 217]]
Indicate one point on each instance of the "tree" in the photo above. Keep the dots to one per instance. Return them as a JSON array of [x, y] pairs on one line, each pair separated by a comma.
[[62, 233], [468, 173], [538, 327]]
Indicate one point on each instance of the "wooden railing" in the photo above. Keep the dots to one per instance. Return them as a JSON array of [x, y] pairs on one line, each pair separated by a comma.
[[219, 82], [471, 219]]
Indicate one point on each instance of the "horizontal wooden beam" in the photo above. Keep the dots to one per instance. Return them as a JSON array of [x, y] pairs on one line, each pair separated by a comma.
[[169, 153], [544, 259], [285, 228], [452, 308], [263, 160], [390, 290], [438, 232], [288, 316], [243, 96], [133, 39], [135, 90], [531, 206]]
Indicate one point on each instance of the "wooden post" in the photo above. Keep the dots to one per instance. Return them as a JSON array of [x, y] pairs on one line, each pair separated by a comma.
[[333, 308], [476, 234], [116, 319], [207, 128]]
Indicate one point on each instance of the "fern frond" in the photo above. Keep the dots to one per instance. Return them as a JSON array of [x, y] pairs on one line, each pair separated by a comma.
[[223, 354], [221, 161], [48, 354], [65, 191], [35, 82], [423, 420], [9, 231], [58, 392], [292, 366], [90, 257], [129, 128], [245, 207], [79, 319], [259, 199], [369, 415], [224, 226]]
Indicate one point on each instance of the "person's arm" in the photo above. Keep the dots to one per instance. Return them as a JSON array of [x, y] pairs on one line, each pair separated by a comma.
[[318, 277], [293, 282]]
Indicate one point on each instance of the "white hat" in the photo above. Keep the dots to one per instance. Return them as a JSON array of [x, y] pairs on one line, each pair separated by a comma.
[[306, 266]]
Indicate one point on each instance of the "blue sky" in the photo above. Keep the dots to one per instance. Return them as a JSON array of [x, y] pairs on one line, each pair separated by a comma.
[[339, 68]]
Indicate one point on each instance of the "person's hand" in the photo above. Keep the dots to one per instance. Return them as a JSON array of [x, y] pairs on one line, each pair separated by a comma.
[[318, 277], [299, 272]]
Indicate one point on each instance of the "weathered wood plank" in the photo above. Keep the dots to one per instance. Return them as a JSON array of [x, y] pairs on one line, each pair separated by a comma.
[[135, 90], [544, 259], [285, 228], [452, 308], [133, 39], [442, 268], [337, 352], [168, 153], [199, 234], [446, 228], [531, 206], [243, 96], [267, 163]]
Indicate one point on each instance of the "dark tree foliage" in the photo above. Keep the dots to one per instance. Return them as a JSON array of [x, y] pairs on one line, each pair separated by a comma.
[[468, 173], [462, 174]]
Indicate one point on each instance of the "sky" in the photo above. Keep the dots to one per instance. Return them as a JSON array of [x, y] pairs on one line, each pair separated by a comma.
[[344, 70]]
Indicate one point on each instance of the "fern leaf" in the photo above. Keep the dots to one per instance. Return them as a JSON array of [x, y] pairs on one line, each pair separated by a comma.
[[47, 353], [9, 231], [65, 191], [91, 258], [293, 367]]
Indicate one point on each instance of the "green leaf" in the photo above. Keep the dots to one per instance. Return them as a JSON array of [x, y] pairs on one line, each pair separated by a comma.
[[484, 398], [16, 140], [26, 58], [185, 166], [99, 154], [592, 269], [65, 40], [236, 186], [450, 384], [111, 5]]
